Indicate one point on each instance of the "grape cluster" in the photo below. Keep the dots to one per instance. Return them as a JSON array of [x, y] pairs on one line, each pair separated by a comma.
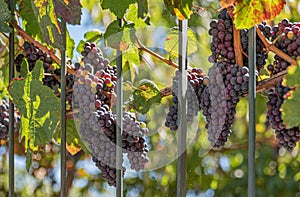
[[287, 138], [194, 92], [134, 143], [32, 54], [261, 50], [287, 36], [93, 91], [221, 31], [227, 83], [4, 119]]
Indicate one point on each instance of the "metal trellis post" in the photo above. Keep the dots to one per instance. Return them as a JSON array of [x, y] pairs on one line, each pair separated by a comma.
[[63, 191], [119, 156], [11, 109], [182, 111], [252, 96]]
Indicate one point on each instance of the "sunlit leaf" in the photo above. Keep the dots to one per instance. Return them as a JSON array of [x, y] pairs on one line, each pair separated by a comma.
[[145, 95], [290, 110], [39, 108], [48, 22], [247, 13], [171, 43], [290, 107], [179, 8]]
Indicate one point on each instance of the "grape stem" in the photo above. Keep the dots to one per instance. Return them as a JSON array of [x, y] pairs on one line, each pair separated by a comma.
[[24, 35], [271, 47], [238, 50], [143, 48]]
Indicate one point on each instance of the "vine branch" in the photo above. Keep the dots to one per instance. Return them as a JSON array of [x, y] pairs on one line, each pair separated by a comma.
[[271, 47], [143, 48]]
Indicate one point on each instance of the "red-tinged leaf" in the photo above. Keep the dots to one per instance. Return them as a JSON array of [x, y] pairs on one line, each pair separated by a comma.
[[247, 13], [226, 3], [70, 11]]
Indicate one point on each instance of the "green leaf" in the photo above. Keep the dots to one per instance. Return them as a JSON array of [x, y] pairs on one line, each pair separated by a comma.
[[24, 68], [70, 44], [29, 22], [142, 8], [247, 13], [290, 107], [117, 7], [28, 159], [5, 16], [290, 110], [171, 43], [39, 108], [145, 96], [113, 34], [93, 35], [38, 72], [293, 76], [132, 16], [80, 46], [47, 19], [180, 8], [70, 12]]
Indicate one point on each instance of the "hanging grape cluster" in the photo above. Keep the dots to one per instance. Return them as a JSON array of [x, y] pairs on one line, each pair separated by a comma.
[[94, 86], [195, 88]]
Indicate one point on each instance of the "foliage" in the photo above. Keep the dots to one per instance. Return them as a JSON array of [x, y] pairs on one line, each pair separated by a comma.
[[39, 108], [209, 172]]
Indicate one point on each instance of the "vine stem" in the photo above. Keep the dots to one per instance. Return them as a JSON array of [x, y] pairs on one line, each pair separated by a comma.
[[238, 50], [24, 35], [271, 47], [143, 48]]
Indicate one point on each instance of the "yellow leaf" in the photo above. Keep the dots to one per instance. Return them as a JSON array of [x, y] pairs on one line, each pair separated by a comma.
[[178, 14], [72, 149]]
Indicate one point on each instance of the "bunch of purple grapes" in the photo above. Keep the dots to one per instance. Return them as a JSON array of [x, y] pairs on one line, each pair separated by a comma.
[[261, 50], [221, 31], [227, 84], [94, 86], [287, 137], [196, 85], [287, 36]]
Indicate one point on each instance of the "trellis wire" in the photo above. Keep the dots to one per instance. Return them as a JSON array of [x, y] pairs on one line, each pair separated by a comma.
[[182, 111], [63, 191], [11, 165], [251, 98], [119, 155]]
